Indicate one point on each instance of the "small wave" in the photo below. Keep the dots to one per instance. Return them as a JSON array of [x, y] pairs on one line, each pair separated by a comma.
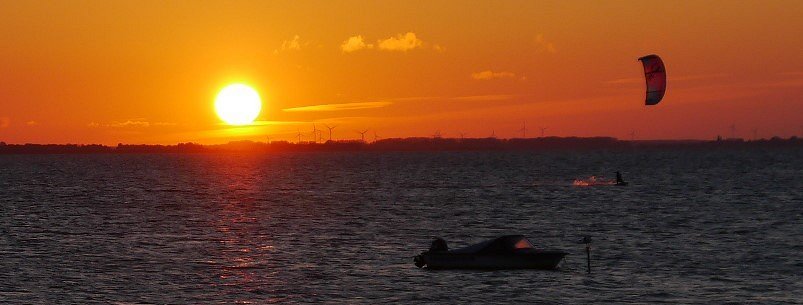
[[723, 279], [592, 181]]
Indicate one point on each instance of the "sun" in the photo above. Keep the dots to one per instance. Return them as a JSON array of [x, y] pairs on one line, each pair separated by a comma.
[[238, 104]]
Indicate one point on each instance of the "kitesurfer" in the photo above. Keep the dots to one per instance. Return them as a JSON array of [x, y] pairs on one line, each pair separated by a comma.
[[619, 180], [655, 75]]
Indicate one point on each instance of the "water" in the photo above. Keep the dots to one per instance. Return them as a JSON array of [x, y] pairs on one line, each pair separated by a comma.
[[693, 226]]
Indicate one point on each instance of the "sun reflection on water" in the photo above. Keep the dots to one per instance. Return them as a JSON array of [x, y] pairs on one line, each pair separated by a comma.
[[243, 258]]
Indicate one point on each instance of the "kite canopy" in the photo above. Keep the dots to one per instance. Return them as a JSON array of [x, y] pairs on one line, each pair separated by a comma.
[[655, 73]]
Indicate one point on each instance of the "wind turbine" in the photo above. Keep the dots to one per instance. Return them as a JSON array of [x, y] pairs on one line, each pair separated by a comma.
[[462, 135], [632, 135], [330, 130], [376, 137], [299, 137], [523, 129], [314, 133], [437, 134], [542, 131], [493, 133], [362, 135]]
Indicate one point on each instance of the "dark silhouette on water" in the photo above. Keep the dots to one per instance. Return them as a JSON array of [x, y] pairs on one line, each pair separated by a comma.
[[438, 245], [587, 241], [619, 180], [505, 252]]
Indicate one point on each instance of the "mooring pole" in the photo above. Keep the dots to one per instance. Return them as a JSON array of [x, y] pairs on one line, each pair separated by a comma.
[[587, 241], [588, 256]]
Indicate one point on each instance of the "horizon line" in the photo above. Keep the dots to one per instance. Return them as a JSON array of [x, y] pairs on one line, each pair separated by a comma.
[[401, 139]]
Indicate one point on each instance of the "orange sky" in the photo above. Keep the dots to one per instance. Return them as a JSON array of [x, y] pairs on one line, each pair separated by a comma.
[[148, 71]]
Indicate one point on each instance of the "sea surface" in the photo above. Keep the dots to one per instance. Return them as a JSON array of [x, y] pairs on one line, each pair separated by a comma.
[[693, 227]]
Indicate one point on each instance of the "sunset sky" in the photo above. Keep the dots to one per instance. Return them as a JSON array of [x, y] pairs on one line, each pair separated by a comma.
[[148, 71]]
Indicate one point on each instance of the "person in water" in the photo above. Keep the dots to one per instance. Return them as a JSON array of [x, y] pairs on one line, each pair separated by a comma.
[[619, 180], [438, 245]]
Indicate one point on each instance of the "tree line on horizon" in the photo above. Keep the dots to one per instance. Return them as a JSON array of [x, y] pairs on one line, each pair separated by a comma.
[[394, 144]]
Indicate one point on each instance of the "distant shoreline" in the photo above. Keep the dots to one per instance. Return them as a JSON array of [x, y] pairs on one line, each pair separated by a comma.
[[401, 144]]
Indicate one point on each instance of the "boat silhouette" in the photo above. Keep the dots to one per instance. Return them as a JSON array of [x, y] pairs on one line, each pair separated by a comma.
[[505, 252]]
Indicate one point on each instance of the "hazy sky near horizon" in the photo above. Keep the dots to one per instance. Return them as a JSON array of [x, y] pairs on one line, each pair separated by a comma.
[[148, 71]]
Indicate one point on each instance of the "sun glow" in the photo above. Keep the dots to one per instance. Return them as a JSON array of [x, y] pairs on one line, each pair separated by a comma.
[[238, 104]]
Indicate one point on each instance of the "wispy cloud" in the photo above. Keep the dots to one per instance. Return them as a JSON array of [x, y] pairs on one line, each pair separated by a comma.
[[401, 42], [543, 45], [638, 80], [345, 119], [354, 43], [390, 101], [488, 75], [787, 83], [31, 123], [486, 97], [630, 80], [489, 97], [266, 123], [293, 44], [412, 98], [339, 107], [131, 123]]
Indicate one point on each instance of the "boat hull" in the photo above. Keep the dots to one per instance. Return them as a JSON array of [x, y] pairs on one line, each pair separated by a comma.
[[545, 260]]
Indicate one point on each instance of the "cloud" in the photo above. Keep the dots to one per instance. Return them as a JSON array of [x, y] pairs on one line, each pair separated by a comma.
[[271, 123], [129, 123], [31, 123], [293, 44], [402, 42], [354, 43], [390, 101], [543, 45], [488, 74], [789, 83], [489, 97], [631, 80], [639, 80], [339, 107], [132, 123]]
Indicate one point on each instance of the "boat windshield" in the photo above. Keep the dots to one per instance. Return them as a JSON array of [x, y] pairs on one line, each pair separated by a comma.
[[502, 244], [523, 244]]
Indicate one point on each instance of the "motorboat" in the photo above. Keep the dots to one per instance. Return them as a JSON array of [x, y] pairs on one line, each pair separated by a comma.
[[505, 252]]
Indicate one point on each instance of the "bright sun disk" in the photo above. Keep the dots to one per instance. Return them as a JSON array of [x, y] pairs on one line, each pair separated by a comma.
[[238, 104]]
